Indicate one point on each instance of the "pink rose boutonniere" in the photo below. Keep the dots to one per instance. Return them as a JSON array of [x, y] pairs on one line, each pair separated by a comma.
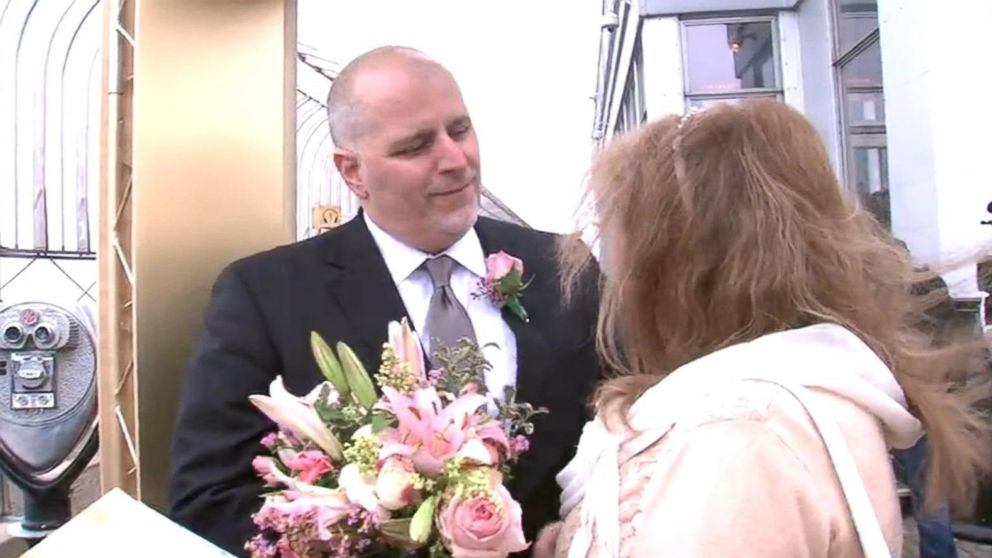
[[504, 283]]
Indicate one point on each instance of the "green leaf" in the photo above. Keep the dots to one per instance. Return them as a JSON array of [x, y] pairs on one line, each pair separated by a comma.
[[362, 388], [328, 364], [380, 422], [517, 309], [423, 521]]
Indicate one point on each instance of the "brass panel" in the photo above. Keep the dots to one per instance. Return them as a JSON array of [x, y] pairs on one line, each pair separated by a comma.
[[214, 179]]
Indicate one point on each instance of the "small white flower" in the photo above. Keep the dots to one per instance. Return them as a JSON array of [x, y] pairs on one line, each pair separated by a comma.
[[363, 432]]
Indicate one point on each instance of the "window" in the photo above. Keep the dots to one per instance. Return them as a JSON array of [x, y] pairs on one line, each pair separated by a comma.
[[858, 67], [633, 108], [731, 59]]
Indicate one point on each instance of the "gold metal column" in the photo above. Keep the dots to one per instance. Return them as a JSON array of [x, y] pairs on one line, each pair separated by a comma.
[[212, 178], [117, 385]]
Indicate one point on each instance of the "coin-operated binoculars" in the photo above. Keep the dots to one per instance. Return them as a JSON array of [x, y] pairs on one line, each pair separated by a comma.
[[48, 410]]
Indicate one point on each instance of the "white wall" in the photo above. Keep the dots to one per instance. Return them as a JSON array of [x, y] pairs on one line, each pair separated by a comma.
[[527, 71], [938, 119]]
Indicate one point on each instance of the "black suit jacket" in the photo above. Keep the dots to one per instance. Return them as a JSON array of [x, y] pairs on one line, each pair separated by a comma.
[[257, 327]]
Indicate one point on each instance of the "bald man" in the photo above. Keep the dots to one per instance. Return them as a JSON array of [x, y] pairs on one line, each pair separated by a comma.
[[406, 147]]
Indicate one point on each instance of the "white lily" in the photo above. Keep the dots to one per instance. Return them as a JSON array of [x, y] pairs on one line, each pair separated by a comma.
[[407, 347], [359, 488], [299, 488], [295, 415]]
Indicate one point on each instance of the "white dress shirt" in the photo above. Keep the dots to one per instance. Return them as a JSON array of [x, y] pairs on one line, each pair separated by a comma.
[[498, 343]]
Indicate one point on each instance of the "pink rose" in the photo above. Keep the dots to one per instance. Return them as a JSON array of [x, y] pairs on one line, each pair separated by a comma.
[[310, 465], [482, 527], [500, 264]]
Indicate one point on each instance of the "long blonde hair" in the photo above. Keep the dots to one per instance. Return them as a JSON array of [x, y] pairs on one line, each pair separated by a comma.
[[730, 224]]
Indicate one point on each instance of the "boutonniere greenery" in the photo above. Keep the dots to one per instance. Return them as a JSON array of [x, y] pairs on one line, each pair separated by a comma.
[[504, 283]]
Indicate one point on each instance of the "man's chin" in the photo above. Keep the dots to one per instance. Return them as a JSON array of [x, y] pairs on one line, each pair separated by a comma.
[[456, 225]]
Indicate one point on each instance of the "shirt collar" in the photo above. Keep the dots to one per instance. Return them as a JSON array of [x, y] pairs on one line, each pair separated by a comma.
[[402, 259]]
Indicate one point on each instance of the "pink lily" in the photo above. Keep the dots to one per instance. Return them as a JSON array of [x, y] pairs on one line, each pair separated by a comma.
[[427, 431], [297, 416], [294, 487], [328, 509]]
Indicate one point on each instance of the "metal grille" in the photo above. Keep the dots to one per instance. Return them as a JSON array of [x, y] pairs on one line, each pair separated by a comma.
[[317, 181], [49, 127], [49, 152]]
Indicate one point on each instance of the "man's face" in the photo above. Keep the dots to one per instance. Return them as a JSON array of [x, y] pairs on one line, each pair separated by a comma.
[[415, 167]]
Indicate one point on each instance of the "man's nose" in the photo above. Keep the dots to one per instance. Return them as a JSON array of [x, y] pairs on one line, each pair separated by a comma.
[[451, 155]]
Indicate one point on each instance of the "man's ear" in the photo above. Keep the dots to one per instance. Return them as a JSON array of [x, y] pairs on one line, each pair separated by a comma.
[[349, 167]]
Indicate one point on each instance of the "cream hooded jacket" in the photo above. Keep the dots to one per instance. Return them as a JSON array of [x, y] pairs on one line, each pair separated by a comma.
[[726, 459]]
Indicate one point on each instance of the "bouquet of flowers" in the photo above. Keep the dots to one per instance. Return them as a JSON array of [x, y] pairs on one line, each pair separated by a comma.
[[350, 473]]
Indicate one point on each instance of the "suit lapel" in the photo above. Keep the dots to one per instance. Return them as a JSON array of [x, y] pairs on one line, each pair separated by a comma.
[[533, 359], [533, 354], [357, 278]]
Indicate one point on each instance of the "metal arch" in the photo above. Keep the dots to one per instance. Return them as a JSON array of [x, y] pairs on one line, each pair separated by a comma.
[[316, 182], [311, 184], [317, 125], [65, 64], [43, 140], [301, 99], [307, 152], [309, 124], [17, 62], [13, 109], [305, 128], [3, 16], [82, 174], [57, 26], [312, 153], [304, 102], [306, 119], [84, 182]]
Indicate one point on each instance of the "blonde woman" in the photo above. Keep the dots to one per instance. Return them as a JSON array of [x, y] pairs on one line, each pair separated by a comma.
[[763, 333]]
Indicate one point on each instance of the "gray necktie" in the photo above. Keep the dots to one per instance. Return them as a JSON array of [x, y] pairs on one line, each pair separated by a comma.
[[447, 320]]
